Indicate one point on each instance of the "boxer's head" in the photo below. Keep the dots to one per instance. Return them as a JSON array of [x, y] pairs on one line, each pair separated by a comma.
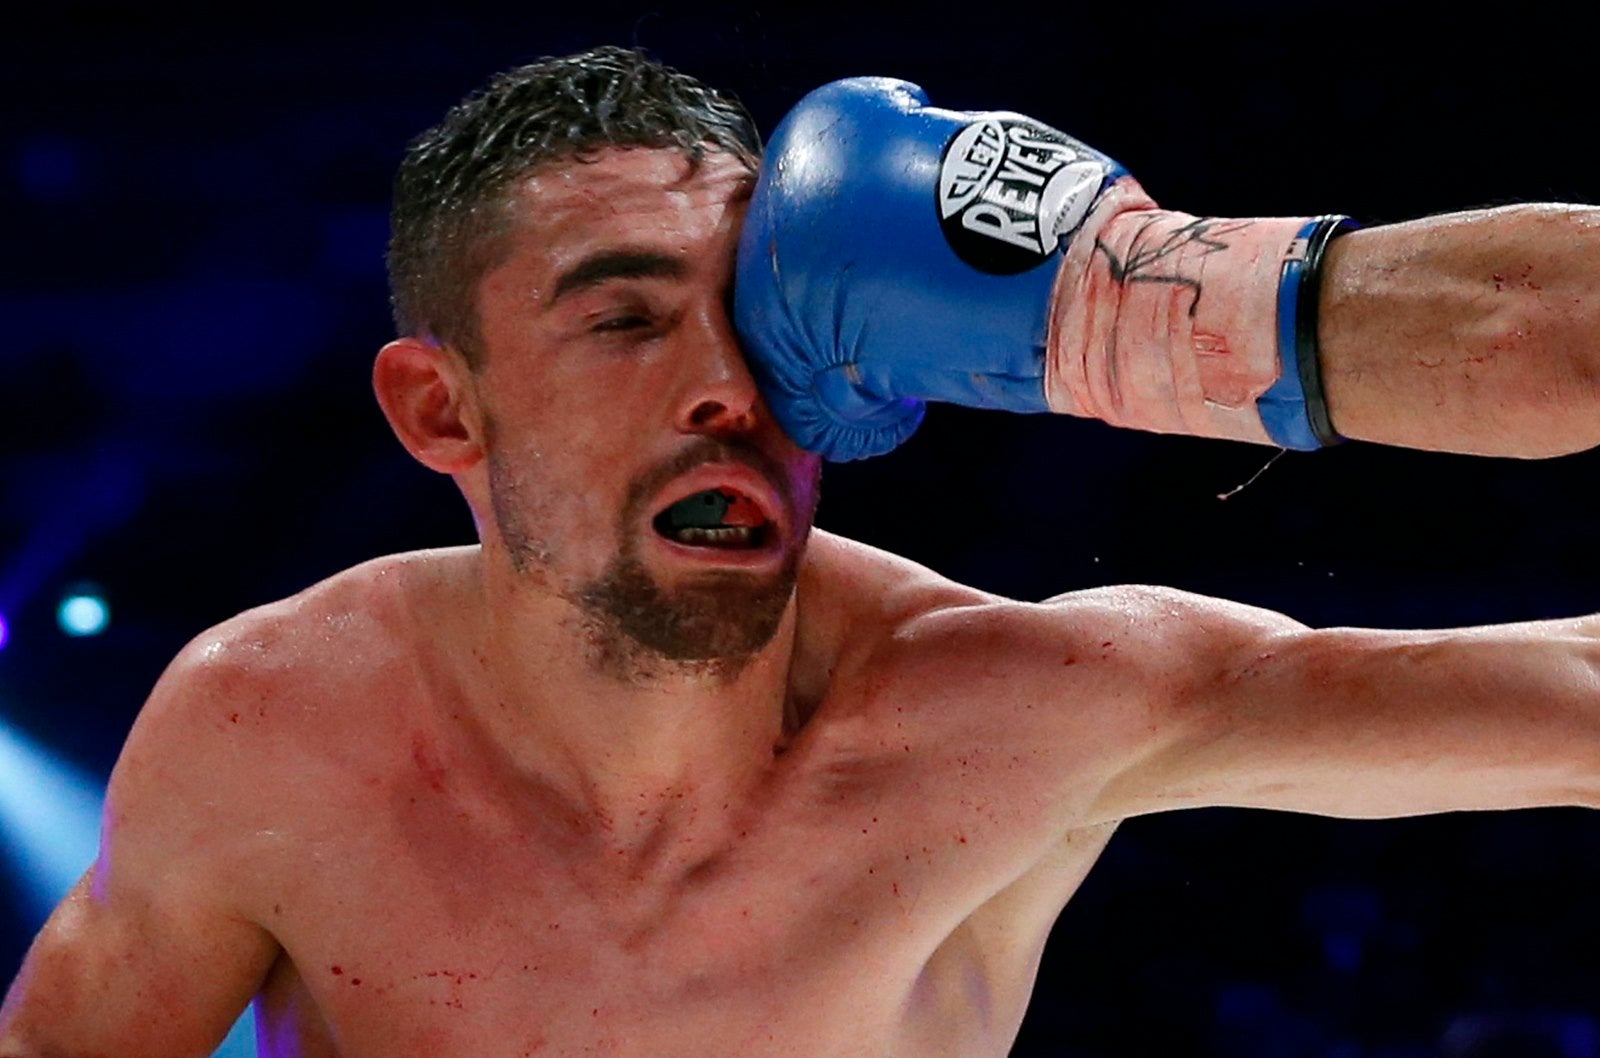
[[450, 221], [562, 263]]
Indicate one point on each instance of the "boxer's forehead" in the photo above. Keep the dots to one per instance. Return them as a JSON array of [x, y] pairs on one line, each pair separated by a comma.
[[642, 196]]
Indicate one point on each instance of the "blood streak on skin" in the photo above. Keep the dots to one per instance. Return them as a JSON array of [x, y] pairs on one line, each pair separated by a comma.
[[432, 771]]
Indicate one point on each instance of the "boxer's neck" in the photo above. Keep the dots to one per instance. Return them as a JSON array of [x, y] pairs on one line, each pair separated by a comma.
[[661, 745]]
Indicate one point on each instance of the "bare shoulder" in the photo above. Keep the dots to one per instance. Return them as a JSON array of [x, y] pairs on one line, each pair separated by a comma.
[[1087, 674], [869, 586], [853, 598], [1121, 629], [244, 703], [214, 802], [902, 617], [345, 627]]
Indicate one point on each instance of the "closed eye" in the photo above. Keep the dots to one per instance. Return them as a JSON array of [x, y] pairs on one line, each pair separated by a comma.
[[621, 323]]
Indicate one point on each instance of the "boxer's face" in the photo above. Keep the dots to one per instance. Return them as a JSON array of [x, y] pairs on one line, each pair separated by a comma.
[[613, 387]]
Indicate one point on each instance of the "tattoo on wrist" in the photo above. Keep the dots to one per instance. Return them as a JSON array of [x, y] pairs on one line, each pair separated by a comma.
[[1144, 261]]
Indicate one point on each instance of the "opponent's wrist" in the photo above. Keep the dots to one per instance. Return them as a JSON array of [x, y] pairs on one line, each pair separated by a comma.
[[1169, 322], [1295, 408]]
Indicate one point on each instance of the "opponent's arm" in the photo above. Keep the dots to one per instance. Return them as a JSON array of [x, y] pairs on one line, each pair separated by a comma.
[[148, 956], [1224, 704], [896, 253], [1468, 332]]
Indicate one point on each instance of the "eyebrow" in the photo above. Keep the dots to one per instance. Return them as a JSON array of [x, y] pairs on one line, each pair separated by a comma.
[[617, 264]]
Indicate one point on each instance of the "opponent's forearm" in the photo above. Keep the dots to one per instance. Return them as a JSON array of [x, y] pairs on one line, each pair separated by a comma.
[[1469, 332]]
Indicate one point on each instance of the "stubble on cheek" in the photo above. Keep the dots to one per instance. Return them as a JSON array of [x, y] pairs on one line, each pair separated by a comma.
[[517, 503]]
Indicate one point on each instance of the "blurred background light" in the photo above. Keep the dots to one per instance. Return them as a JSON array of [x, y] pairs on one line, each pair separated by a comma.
[[83, 613], [50, 831], [49, 820]]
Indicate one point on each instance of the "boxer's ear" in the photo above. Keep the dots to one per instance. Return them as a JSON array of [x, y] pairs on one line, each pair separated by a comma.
[[423, 390]]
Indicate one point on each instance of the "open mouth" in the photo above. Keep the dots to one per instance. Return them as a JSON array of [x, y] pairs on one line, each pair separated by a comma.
[[722, 518]]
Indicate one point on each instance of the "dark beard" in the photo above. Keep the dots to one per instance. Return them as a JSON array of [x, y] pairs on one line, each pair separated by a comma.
[[716, 625]]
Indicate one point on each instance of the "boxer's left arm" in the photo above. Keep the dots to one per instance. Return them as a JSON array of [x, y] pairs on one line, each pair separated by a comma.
[[1468, 332], [1129, 701], [1251, 709]]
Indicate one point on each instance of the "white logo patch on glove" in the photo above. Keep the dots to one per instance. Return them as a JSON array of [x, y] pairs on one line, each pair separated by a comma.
[[1011, 188]]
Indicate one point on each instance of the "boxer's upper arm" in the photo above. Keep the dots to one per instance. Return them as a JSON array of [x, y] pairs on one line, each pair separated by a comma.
[[1120, 702], [1232, 705], [149, 955]]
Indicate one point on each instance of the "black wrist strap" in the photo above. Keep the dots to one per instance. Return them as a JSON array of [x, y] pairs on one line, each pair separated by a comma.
[[1308, 353]]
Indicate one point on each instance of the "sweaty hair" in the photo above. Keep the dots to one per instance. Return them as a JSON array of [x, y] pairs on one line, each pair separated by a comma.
[[449, 220]]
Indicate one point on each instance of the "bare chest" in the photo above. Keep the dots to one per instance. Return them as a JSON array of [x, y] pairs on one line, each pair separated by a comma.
[[423, 923]]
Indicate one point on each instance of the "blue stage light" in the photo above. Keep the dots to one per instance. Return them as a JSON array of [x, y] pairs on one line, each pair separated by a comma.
[[49, 820], [5, 632], [82, 613], [49, 835]]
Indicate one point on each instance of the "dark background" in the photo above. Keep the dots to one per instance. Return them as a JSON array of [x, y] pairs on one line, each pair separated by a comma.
[[191, 292]]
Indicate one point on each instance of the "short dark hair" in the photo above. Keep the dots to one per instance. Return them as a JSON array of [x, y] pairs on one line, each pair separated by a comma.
[[451, 190]]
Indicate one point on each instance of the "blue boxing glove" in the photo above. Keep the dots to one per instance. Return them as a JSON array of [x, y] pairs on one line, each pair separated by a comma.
[[896, 253]]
